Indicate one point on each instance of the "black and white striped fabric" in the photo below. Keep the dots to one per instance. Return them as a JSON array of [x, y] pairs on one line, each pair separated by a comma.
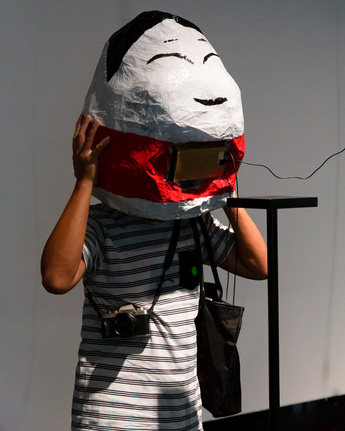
[[139, 383]]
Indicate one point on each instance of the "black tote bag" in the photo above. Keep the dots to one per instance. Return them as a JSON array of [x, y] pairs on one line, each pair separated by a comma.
[[218, 326]]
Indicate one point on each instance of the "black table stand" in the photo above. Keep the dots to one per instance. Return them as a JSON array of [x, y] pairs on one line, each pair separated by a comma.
[[272, 204]]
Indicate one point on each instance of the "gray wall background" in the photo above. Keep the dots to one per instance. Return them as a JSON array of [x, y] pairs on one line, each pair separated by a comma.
[[288, 57]]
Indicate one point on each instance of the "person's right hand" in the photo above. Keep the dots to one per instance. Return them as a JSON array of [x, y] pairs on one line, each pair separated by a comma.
[[85, 158]]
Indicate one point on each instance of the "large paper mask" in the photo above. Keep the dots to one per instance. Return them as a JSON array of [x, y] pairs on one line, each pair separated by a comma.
[[174, 116]]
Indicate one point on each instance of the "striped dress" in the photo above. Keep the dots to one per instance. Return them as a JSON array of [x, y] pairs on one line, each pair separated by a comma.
[[139, 383]]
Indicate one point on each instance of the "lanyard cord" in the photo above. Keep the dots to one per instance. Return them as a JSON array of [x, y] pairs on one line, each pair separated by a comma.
[[198, 251], [167, 262]]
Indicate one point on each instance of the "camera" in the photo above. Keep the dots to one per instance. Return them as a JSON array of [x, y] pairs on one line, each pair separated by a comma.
[[127, 321]]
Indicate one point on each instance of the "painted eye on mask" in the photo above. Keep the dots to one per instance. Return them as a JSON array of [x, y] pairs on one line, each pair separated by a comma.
[[174, 54], [211, 54], [182, 57]]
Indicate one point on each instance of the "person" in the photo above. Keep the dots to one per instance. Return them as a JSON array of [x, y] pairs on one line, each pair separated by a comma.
[[137, 382]]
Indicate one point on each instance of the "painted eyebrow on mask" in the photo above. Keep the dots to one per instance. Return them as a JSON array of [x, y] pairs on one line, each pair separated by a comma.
[[173, 54]]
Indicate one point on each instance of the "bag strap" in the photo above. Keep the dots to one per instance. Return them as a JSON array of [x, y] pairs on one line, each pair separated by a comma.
[[218, 293], [166, 265]]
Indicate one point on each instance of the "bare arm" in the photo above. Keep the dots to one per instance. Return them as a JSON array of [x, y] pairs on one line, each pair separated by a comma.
[[248, 258], [62, 265]]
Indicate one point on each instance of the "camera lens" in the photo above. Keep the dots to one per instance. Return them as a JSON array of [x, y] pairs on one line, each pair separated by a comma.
[[124, 324]]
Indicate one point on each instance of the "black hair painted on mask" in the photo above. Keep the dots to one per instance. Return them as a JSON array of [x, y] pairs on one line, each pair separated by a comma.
[[123, 39]]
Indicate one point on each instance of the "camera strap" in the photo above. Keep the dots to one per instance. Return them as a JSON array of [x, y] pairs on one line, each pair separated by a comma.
[[166, 265], [93, 303]]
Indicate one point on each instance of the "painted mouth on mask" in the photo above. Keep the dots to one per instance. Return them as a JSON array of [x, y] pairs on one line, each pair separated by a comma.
[[211, 102]]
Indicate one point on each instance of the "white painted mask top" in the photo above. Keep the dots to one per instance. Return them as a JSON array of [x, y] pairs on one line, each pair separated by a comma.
[[174, 116]]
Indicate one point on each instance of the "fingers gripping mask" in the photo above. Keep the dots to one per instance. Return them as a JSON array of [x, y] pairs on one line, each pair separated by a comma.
[[174, 116]]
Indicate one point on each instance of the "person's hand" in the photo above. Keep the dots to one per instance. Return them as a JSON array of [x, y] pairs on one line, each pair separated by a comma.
[[84, 157]]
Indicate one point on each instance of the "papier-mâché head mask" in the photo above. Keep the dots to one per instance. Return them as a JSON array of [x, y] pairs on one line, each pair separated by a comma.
[[174, 115]]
